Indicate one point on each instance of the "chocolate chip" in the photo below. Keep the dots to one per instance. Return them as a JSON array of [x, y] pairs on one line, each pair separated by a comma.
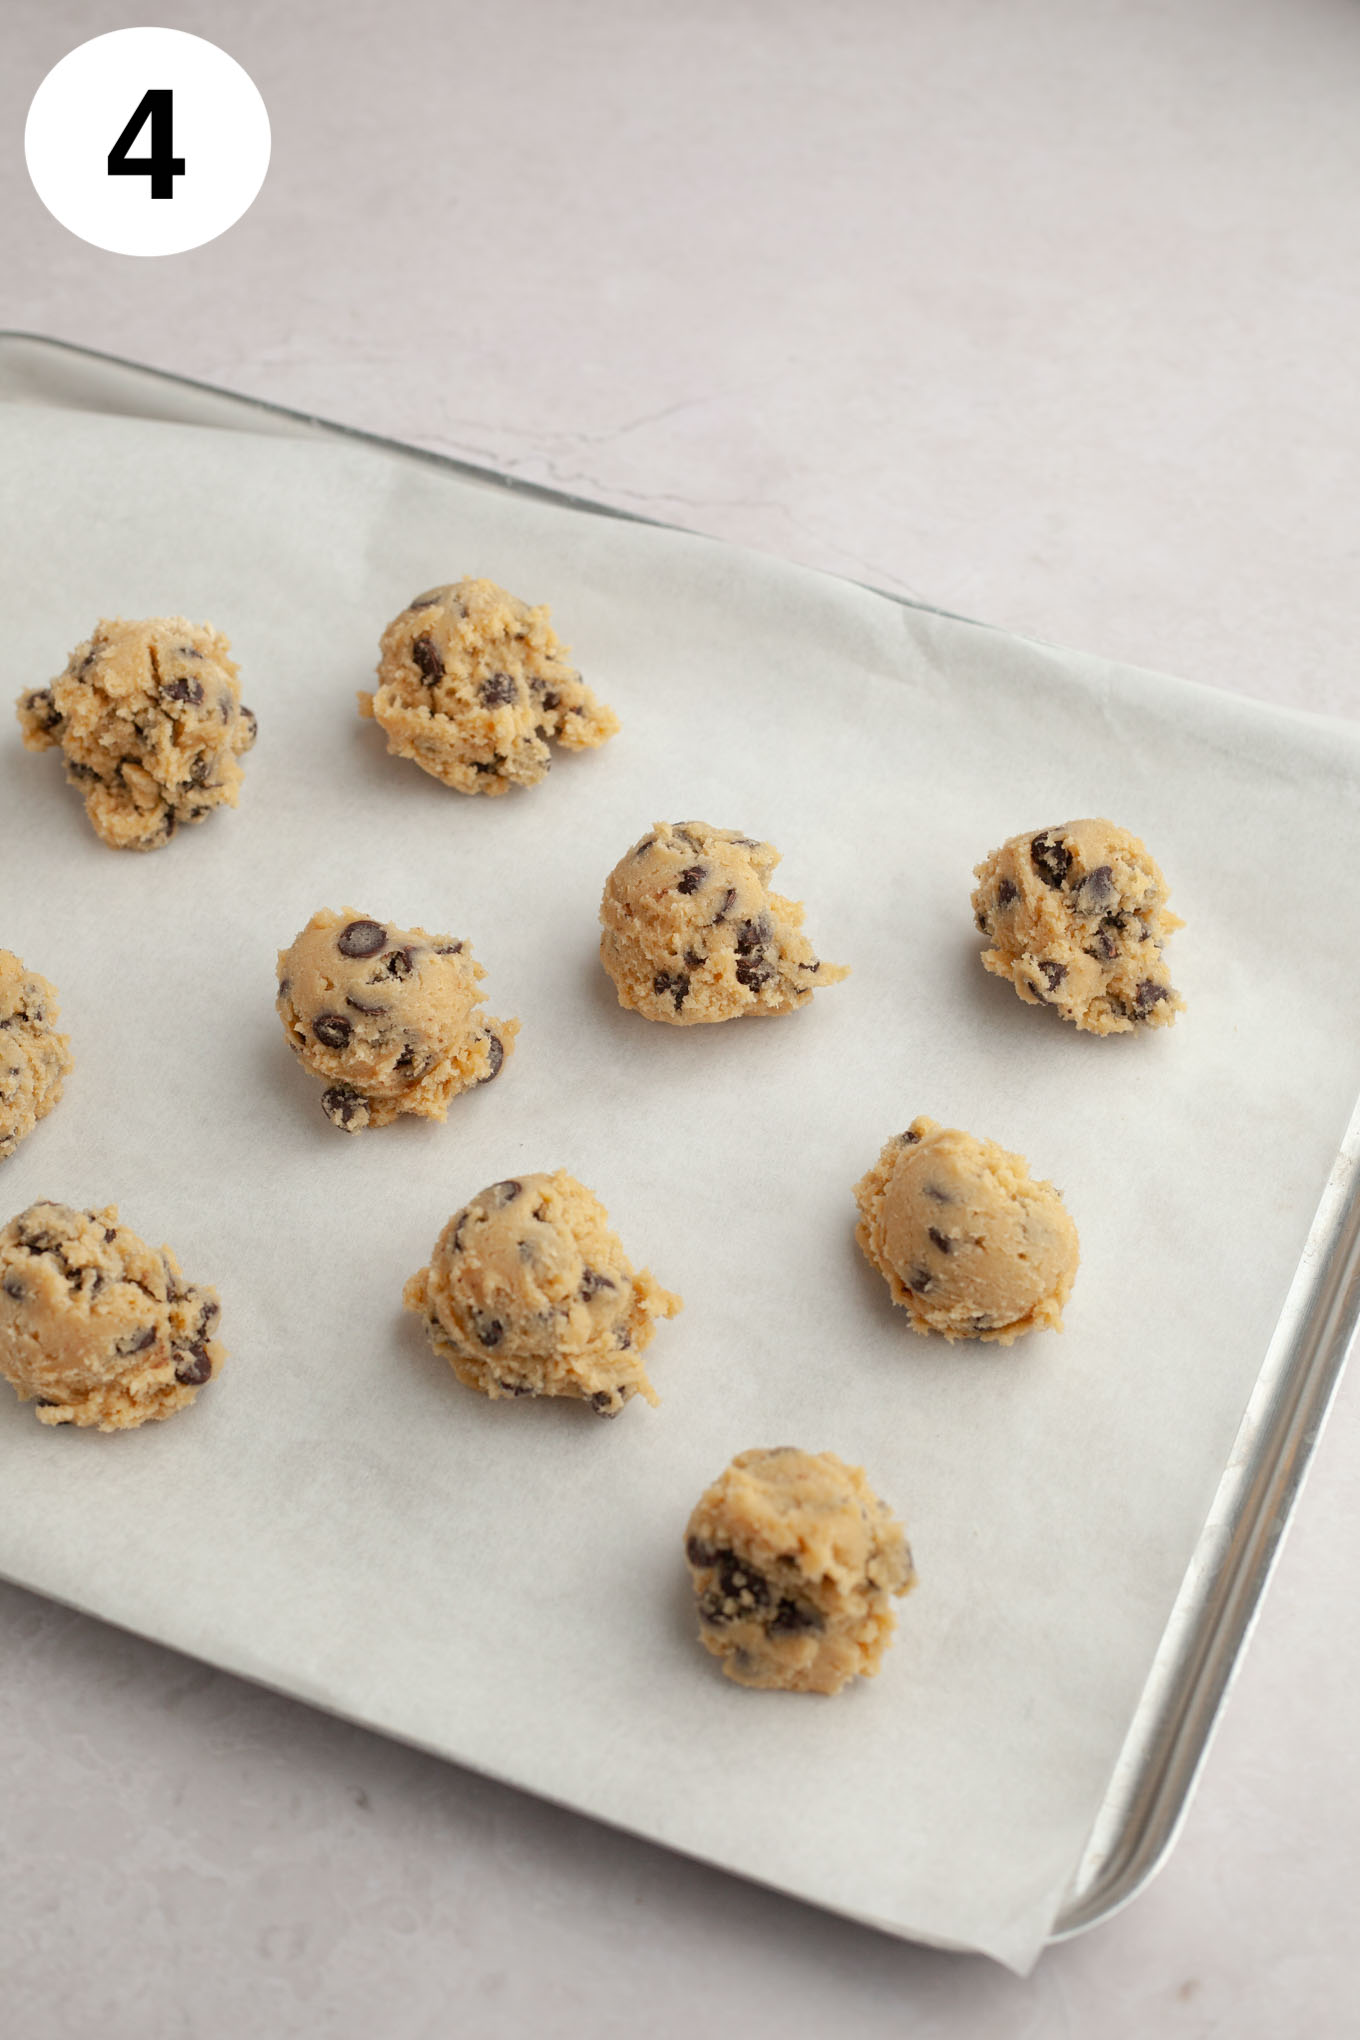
[[515, 1387], [622, 1336], [737, 1582], [675, 983], [644, 846], [753, 935], [426, 655], [921, 1281], [755, 973], [449, 949], [908, 1139], [83, 773], [1050, 857], [690, 880], [428, 601], [248, 718], [729, 900], [138, 1344], [496, 1049], [1096, 892], [790, 1617], [1148, 993], [361, 938], [208, 1315], [15, 1288], [1054, 973], [358, 1006], [981, 923], [699, 1553], [399, 964], [1007, 893], [1103, 947], [489, 1330], [190, 691], [194, 1365], [407, 1059], [42, 702], [592, 1282], [333, 1030], [110, 1232], [606, 1402], [456, 1239], [693, 958], [499, 688], [506, 1192], [552, 699]]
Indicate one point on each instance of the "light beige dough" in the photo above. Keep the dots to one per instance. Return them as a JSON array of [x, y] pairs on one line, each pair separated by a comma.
[[473, 685], [529, 1292], [795, 1562], [966, 1239], [1077, 919], [387, 1018], [97, 1327], [34, 1059], [148, 718], [693, 933]]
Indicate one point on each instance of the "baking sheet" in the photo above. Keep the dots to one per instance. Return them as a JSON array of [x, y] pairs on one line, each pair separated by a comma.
[[502, 1583]]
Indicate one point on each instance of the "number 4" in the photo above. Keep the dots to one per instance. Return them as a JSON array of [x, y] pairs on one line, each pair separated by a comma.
[[162, 166]]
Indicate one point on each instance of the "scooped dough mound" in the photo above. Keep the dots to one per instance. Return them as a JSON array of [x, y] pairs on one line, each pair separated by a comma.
[[96, 1326], [967, 1241], [148, 718], [529, 1292], [474, 686], [34, 1058], [795, 1561], [387, 1018], [1077, 918], [692, 932]]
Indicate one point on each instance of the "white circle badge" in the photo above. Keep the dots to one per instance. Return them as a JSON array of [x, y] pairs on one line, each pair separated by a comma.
[[147, 141]]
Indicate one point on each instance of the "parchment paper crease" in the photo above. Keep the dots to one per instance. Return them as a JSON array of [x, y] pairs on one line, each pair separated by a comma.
[[503, 1583]]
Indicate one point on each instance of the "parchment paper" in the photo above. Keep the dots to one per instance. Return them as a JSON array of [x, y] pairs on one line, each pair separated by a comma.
[[503, 1583]]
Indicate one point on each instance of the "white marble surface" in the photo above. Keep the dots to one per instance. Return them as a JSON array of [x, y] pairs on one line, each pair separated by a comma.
[[1045, 311]]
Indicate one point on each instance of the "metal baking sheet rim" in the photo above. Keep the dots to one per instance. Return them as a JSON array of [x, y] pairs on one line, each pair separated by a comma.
[[1155, 1775]]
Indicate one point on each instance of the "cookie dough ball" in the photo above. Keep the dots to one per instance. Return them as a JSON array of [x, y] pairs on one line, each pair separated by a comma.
[[34, 1058], [474, 686], [387, 1018], [795, 1561], [529, 1292], [148, 718], [965, 1238], [1077, 918], [693, 933], [96, 1326]]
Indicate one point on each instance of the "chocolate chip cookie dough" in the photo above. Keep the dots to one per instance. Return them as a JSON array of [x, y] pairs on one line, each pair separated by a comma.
[[795, 1562], [148, 718], [1077, 919], [473, 685], [387, 1018], [34, 1059], [692, 932], [97, 1327], [967, 1241], [529, 1292]]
